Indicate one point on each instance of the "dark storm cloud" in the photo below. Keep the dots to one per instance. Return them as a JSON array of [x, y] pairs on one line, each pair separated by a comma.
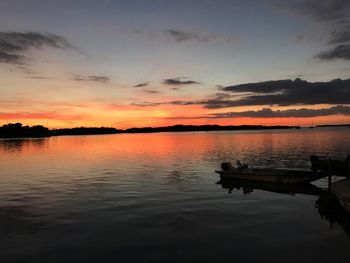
[[262, 87], [279, 92], [144, 84], [14, 45], [338, 52], [94, 78], [285, 93], [292, 113], [179, 82]]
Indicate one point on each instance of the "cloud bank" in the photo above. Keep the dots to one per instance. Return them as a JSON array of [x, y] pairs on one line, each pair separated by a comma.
[[274, 93], [277, 93], [286, 93], [293, 113]]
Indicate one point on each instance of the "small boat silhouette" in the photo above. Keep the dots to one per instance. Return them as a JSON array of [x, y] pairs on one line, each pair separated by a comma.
[[243, 172]]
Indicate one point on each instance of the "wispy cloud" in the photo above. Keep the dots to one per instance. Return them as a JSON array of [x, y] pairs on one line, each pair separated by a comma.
[[338, 52], [146, 104], [15, 45], [36, 77], [341, 35], [222, 96], [180, 82], [332, 11], [93, 78], [52, 115], [181, 36], [334, 15], [151, 91], [140, 85], [185, 36]]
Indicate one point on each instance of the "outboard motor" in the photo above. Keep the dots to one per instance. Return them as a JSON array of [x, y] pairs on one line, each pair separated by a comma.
[[226, 166], [317, 164]]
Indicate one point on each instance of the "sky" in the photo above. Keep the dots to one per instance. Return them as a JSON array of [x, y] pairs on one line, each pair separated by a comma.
[[140, 63]]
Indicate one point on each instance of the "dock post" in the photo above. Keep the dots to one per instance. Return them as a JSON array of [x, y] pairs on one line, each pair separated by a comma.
[[330, 175]]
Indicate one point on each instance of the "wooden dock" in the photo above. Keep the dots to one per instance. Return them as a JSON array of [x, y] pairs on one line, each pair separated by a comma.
[[341, 189]]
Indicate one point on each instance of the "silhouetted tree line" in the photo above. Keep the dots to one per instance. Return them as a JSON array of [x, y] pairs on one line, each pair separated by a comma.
[[184, 128], [16, 130], [84, 131], [334, 125]]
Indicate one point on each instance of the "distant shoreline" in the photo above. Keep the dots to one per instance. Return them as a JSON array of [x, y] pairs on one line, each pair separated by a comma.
[[334, 125], [17, 130], [174, 128]]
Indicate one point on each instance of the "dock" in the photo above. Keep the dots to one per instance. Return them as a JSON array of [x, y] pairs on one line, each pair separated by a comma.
[[341, 189]]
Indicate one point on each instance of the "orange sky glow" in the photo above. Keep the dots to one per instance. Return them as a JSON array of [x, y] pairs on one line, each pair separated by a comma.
[[135, 65], [127, 116]]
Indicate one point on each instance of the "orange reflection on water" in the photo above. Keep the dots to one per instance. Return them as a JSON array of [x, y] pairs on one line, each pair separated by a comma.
[[134, 150]]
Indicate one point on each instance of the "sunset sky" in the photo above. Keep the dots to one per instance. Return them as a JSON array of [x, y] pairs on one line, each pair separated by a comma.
[[142, 63]]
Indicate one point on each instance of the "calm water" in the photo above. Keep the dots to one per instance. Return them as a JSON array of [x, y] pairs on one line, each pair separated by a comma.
[[154, 198]]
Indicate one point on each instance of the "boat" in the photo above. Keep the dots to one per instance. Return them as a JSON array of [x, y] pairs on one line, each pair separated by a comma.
[[285, 176]]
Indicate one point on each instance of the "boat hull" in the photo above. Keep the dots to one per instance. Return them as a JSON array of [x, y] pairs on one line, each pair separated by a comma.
[[249, 186], [271, 176]]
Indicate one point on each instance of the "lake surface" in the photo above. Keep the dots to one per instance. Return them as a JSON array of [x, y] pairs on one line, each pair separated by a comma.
[[155, 198]]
